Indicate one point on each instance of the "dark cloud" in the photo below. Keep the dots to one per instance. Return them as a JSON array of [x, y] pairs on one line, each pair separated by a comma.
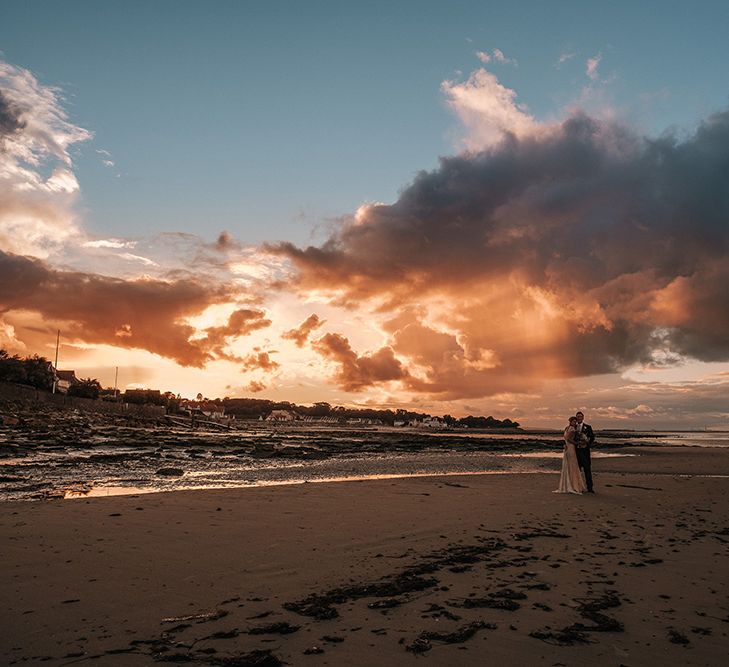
[[225, 241], [301, 333], [10, 117], [144, 313], [589, 195], [359, 372], [576, 250]]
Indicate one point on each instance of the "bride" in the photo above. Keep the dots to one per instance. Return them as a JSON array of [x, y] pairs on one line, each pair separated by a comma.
[[571, 479]]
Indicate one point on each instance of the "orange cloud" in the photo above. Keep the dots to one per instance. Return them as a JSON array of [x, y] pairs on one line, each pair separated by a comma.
[[359, 372], [147, 314], [255, 386], [240, 323], [575, 250], [259, 361], [301, 333]]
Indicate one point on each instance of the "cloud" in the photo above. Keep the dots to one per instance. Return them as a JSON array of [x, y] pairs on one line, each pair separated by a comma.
[[241, 322], [10, 117], [565, 57], [259, 360], [255, 386], [592, 65], [148, 314], [137, 258], [38, 188], [225, 241], [106, 157], [497, 55], [301, 333], [356, 372], [611, 401], [9, 341], [566, 250], [487, 109], [109, 243]]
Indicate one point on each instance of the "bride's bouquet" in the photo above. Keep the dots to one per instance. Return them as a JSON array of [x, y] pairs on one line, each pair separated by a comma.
[[581, 440]]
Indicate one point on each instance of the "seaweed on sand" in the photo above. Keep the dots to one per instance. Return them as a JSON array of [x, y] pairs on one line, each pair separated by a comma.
[[319, 605], [590, 609], [423, 642]]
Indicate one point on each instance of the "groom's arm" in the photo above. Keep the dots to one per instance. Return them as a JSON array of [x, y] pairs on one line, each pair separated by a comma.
[[591, 435]]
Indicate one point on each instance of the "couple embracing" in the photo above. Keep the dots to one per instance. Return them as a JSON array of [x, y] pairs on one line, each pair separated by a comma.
[[578, 437]]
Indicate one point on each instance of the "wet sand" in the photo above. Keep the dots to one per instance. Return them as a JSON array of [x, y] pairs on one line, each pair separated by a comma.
[[452, 570]]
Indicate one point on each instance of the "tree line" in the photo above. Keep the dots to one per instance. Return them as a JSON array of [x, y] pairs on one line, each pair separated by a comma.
[[38, 372], [253, 408]]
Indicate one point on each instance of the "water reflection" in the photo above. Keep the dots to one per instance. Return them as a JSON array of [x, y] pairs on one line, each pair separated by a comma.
[[103, 491]]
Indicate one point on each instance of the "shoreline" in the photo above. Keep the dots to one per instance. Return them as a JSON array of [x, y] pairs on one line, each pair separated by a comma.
[[103, 473], [496, 564]]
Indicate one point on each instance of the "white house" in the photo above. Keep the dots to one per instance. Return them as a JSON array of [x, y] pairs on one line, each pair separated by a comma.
[[206, 409], [65, 380], [281, 416]]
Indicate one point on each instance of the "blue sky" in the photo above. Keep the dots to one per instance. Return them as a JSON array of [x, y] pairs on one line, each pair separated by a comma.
[[132, 133], [267, 119]]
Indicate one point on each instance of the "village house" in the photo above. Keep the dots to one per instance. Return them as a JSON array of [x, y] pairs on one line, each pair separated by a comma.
[[364, 421], [281, 416], [65, 380], [203, 409], [434, 422]]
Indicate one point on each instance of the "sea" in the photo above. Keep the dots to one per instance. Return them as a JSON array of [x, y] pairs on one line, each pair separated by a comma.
[[85, 460]]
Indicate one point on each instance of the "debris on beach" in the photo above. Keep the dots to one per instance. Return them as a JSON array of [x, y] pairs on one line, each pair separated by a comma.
[[319, 605], [488, 602], [280, 628], [676, 637], [200, 617], [590, 608], [423, 642]]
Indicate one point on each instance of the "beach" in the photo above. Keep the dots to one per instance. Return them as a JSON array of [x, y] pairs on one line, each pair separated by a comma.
[[456, 570]]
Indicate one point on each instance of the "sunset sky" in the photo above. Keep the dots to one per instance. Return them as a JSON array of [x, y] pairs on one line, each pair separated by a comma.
[[468, 207]]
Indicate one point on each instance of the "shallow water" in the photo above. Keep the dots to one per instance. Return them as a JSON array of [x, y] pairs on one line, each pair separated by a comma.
[[90, 460]]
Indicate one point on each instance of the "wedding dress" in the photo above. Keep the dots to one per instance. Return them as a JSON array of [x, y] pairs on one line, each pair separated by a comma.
[[570, 480]]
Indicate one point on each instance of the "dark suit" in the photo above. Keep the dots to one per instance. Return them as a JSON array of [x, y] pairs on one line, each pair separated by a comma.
[[583, 454]]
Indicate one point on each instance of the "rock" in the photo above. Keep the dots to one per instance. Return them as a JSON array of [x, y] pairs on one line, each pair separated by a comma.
[[170, 472]]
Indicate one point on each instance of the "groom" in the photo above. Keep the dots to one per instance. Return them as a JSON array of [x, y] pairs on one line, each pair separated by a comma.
[[583, 451]]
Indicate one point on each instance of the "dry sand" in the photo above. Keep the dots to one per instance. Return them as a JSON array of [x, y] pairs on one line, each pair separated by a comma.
[[635, 575]]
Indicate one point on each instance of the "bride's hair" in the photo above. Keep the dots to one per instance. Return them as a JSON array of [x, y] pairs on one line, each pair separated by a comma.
[[572, 419]]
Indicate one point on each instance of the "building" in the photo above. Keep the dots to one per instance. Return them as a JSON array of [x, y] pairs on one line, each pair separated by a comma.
[[65, 380], [434, 422], [204, 409], [281, 416]]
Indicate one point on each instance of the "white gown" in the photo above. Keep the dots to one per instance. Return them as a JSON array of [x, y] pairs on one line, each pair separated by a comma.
[[570, 481]]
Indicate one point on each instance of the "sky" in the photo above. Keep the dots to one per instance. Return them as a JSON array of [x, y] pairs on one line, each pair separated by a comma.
[[515, 209]]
